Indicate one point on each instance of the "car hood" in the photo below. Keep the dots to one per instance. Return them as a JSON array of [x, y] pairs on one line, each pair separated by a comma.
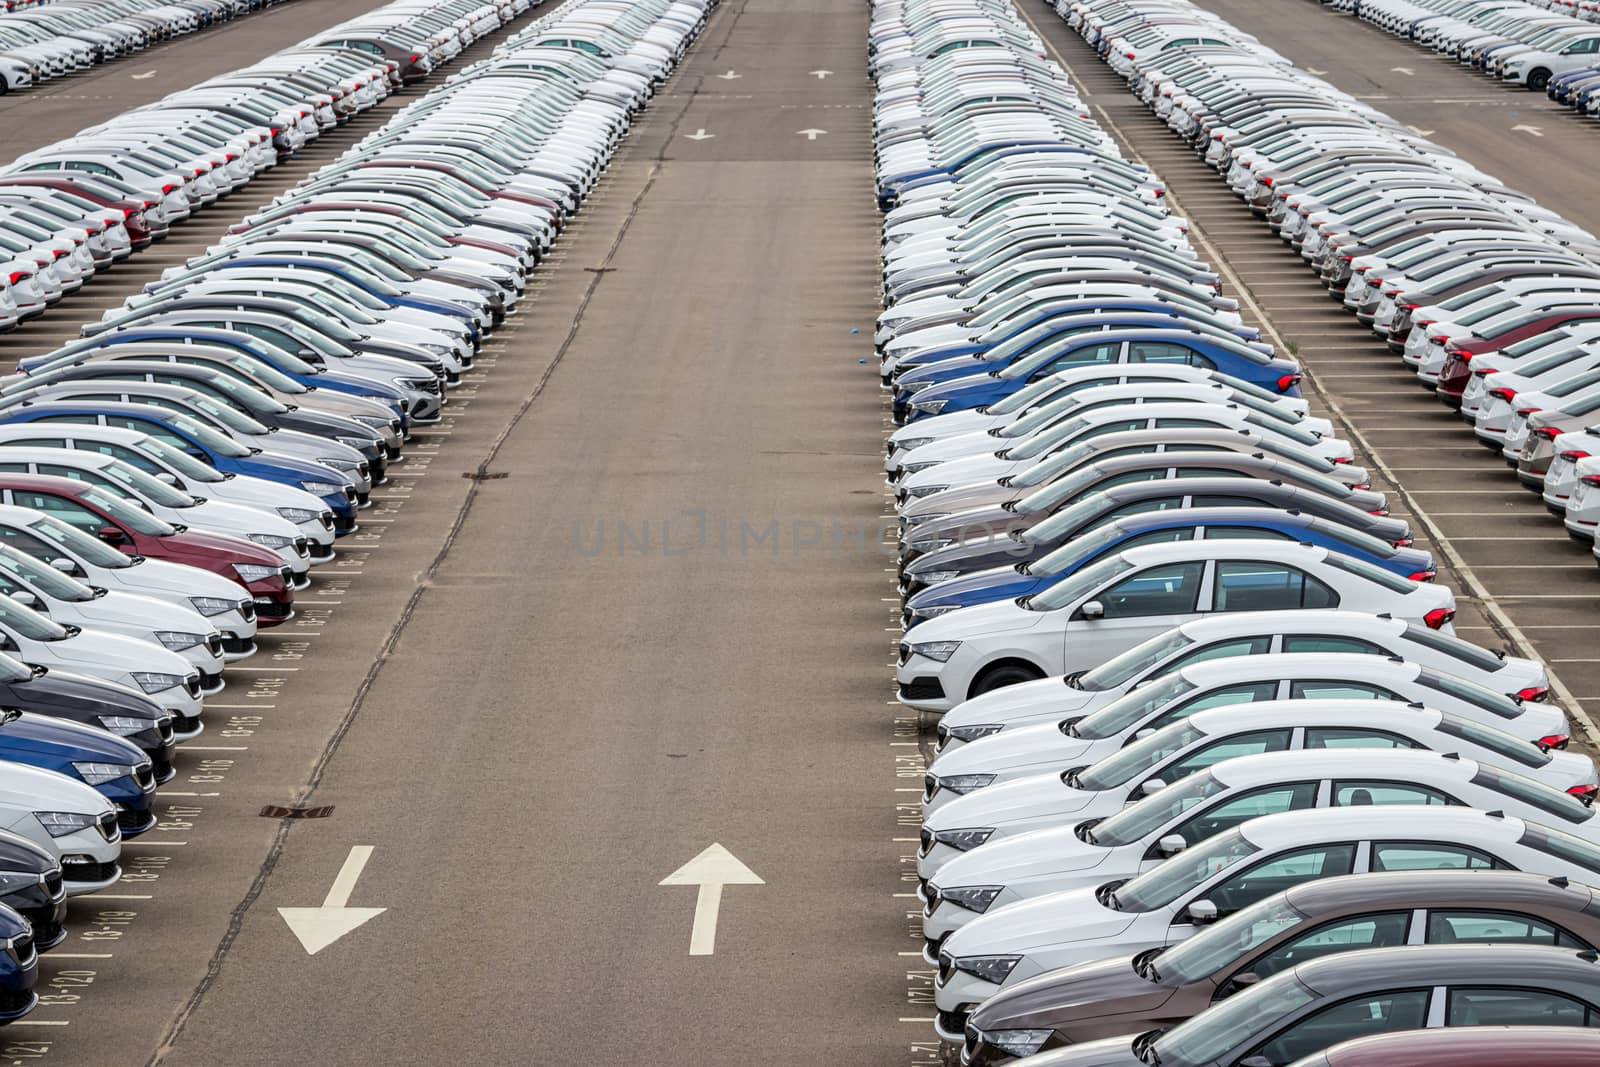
[[981, 620], [58, 691], [131, 609], [221, 548], [103, 649], [1032, 797], [1023, 857], [1071, 917], [1047, 698], [66, 740], [161, 577], [24, 790], [1031, 749], [994, 584], [1084, 991]]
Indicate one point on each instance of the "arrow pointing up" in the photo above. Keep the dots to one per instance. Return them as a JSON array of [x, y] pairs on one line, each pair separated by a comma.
[[317, 928], [700, 135], [810, 135], [820, 74], [711, 870], [730, 76]]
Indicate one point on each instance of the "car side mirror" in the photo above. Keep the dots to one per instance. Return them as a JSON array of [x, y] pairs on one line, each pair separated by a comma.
[[1256, 1061], [1202, 912], [1093, 610], [1245, 979], [1152, 786], [26, 599], [113, 535], [1172, 844], [168, 477], [64, 565]]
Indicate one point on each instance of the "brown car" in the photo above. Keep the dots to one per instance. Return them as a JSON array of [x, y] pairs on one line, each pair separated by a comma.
[[1161, 987], [1469, 1046]]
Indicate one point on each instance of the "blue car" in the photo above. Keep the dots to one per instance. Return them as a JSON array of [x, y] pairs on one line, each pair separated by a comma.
[[19, 966], [116, 768], [891, 186], [1081, 317], [1180, 524], [1275, 374], [215, 450]]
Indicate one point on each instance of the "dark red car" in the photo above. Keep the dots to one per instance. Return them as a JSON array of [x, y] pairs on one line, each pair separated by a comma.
[[1467, 1046], [140, 231], [136, 532], [1456, 371]]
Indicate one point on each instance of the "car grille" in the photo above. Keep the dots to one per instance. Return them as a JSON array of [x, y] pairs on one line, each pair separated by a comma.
[[185, 724], [905, 652], [164, 730], [145, 776], [947, 968], [365, 468], [287, 574], [326, 518], [345, 522], [247, 608], [350, 493], [214, 644], [107, 825], [925, 837], [302, 547], [53, 883], [23, 955], [191, 684], [133, 822], [93, 872]]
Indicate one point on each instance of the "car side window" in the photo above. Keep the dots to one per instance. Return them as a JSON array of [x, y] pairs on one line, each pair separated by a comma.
[[14, 468], [1112, 427], [1513, 1007], [1328, 690], [1251, 744], [1363, 931], [1279, 873], [1381, 1013], [1243, 693], [1221, 501], [1251, 804], [1359, 794], [1106, 353], [76, 420], [1354, 737], [1170, 589], [58, 507], [129, 456], [1143, 507], [1319, 643], [1156, 537], [160, 433], [1244, 646], [1244, 585], [1237, 533], [1428, 856], [1126, 477], [1496, 928]]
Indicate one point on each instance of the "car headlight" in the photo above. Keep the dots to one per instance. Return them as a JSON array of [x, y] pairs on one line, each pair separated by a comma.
[[101, 773], [254, 572], [272, 541], [940, 651], [923, 520], [929, 407], [211, 605], [974, 731], [12, 881], [1016, 1042], [934, 577], [62, 823], [178, 641], [152, 682], [964, 840], [912, 468], [338, 464], [912, 442], [988, 968], [322, 488], [972, 897], [932, 544], [298, 515], [125, 725], [379, 422], [918, 492], [961, 784], [935, 611], [357, 443]]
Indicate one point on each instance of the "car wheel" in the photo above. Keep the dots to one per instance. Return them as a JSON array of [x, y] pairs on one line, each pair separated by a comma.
[[1003, 674], [1538, 79]]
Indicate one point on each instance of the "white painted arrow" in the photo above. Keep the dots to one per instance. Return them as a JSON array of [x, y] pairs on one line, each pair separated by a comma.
[[1420, 132], [1529, 129], [711, 870], [700, 135], [1407, 71], [730, 76], [820, 74], [1314, 70], [810, 135], [317, 928], [146, 74]]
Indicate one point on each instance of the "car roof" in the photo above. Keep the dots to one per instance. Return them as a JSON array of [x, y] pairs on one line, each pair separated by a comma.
[[1398, 764], [1230, 718], [1538, 966], [1318, 620], [1291, 828], [1348, 666], [1470, 1046], [1225, 548], [1437, 889]]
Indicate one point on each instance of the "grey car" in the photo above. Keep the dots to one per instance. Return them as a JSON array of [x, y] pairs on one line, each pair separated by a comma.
[[1315, 1005], [1163, 986]]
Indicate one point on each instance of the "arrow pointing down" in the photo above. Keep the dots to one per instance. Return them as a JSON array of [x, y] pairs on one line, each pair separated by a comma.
[[730, 76], [711, 870], [820, 74], [810, 135], [317, 928]]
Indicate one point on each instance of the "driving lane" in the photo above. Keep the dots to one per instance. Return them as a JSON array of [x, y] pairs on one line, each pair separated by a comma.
[[656, 627]]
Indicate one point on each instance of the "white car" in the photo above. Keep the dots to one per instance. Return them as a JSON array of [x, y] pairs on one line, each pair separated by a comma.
[[1110, 606], [1133, 839], [97, 564], [68, 819], [1151, 762], [35, 584], [1231, 871], [1073, 741]]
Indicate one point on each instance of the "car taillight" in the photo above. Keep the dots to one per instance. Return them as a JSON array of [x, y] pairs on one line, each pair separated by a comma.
[[1438, 617], [1584, 793], [1590, 479], [1525, 412], [1267, 182], [1405, 542], [1533, 692], [1342, 459], [166, 189], [1504, 393], [276, 131], [1549, 432], [1555, 741], [1423, 576], [1287, 382], [1424, 323], [1573, 455], [60, 253], [1380, 512], [416, 57], [19, 276]]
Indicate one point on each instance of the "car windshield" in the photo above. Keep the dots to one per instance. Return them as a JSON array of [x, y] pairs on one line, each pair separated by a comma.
[[1497, 741], [266, 372], [1072, 555], [1131, 708], [27, 622], [142, 484], [1221, 946], [1068, 520], [1233, 1024], [231, 417], [132, 516], [211, 439], [1138, 821], [1141, 756], [1047, 440], [1052, 467], [1069, 591], [1025, 397], [1120, 670], [41, 576], [79, 544], [1195, 865], [178, 460], [254, 399], [13, 671]]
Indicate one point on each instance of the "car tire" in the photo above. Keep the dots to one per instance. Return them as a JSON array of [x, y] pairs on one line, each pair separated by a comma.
[[1538, 79], [1003, 674]]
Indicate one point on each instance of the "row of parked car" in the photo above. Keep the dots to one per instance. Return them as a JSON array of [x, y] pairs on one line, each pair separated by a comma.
[[168, 481], [72, 209], [44, 41], [1491, 298], [1549, 47], [1178, 646]]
